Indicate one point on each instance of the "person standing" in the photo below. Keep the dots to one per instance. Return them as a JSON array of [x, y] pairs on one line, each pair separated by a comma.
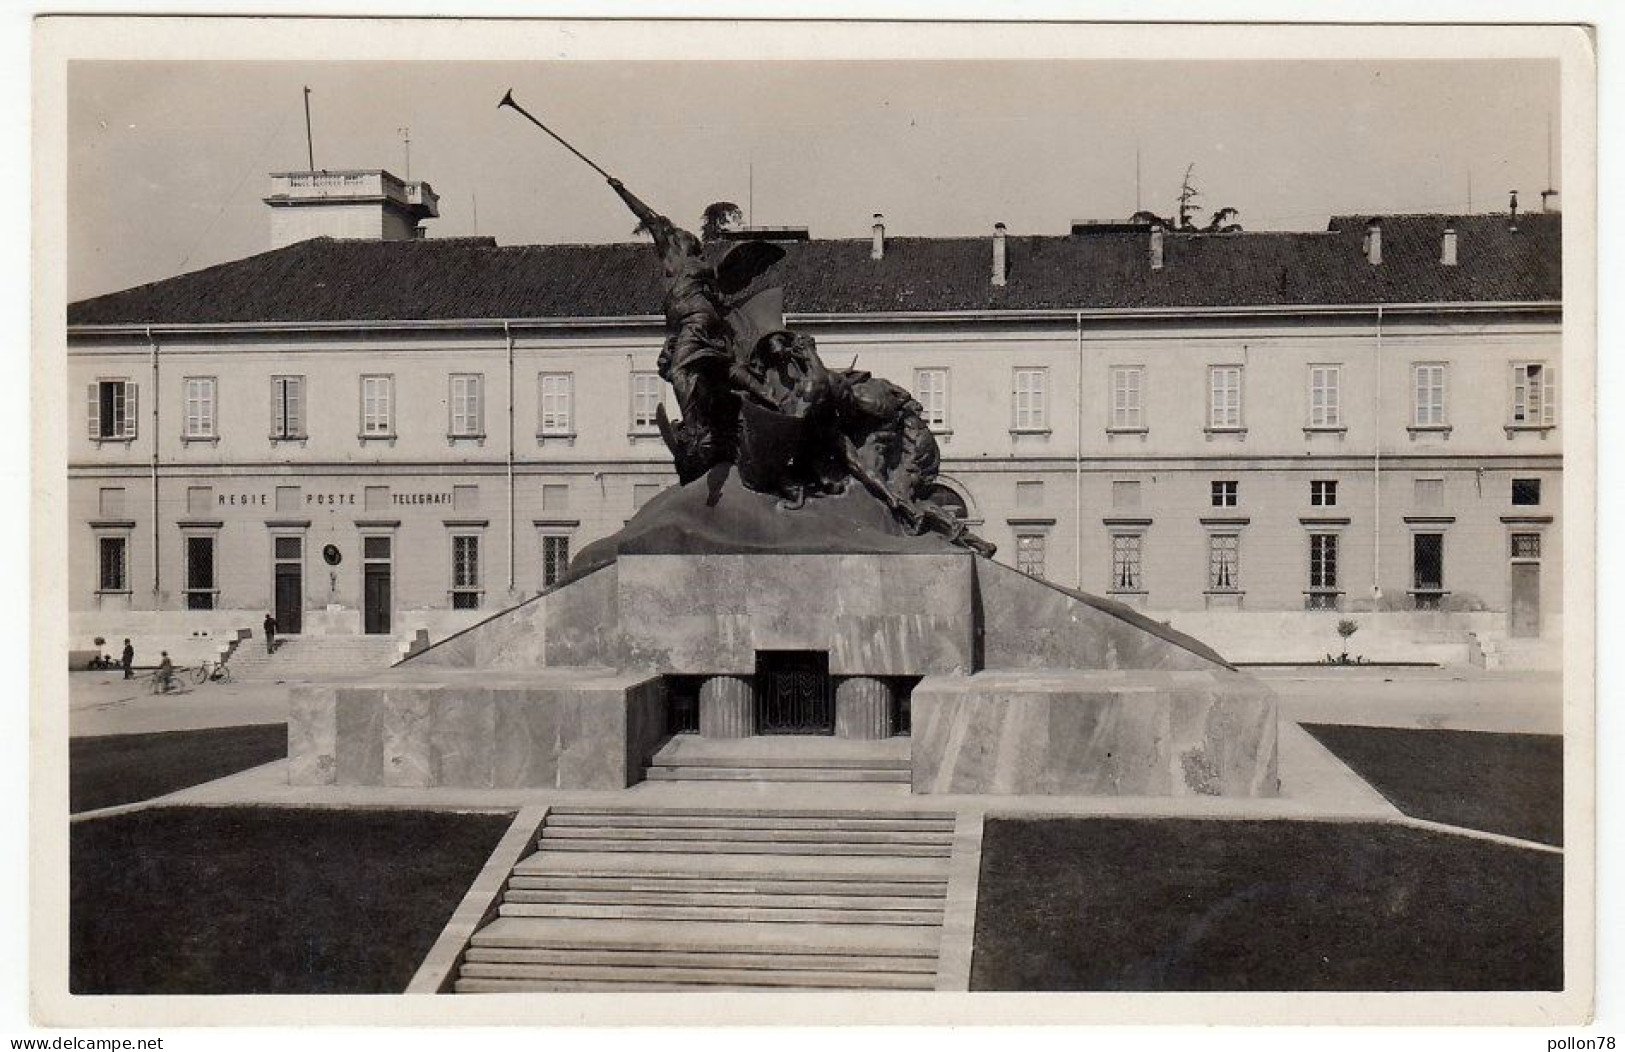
[[127, 659], [270, 633]]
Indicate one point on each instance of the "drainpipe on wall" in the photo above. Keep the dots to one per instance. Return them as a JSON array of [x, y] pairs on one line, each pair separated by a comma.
[[1376, 482], [507, 335], [152, 343], [1077, 469]]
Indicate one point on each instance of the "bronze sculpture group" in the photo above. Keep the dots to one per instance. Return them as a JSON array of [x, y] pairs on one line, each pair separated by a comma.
[[756, 395]]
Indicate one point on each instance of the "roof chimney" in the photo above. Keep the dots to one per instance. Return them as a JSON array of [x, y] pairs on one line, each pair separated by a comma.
[[1000, 270], [1549, 201], [1512, 213], [1447, 250], [878, 249], [1371, 244], [1156, 246]]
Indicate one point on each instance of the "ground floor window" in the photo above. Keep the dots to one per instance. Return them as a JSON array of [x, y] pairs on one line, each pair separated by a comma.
[[465, 572], [1526, 546], [1030, 554], [1323, 590], [113, 557], [555, 559], [1126, 576], [1223, 562], [200, 580], [1427, 570]]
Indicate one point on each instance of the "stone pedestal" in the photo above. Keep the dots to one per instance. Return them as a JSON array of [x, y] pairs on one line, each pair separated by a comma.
[[727, 707], [863, 708]]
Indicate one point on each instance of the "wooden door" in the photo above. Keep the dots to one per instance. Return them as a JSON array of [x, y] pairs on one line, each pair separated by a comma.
[[290, 600], [375, 600]]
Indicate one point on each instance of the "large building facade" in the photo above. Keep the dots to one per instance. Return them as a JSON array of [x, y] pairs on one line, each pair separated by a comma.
[[387, 434]]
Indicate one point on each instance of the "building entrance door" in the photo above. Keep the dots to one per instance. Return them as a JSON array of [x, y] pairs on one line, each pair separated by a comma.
[[290, 600], [793, 692], [375, 599], [1524, 618]]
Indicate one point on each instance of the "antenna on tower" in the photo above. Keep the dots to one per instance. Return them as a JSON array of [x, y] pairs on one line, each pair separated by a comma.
[[1469, 191], [1137, 206], [310, 148], [750, 193], [406, 140]]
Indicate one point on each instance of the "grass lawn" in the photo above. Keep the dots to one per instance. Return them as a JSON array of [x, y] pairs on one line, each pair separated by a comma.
[[123, 768], [265, 900], [1501, 783], [1180, 904]]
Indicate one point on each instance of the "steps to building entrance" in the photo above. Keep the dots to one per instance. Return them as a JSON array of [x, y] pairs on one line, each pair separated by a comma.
[[789, 758], [312, 657], [650, 898]]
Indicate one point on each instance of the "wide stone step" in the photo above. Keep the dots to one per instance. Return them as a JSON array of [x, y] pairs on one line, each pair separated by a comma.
[[514, 986], [663, 773], [709, 936], [696, 976], [922, 965], [724, 914], [724, 900], [675, 811], [878, 823], [746, 847], [551, 833], [669, 759], [685, 864], [729, 886]]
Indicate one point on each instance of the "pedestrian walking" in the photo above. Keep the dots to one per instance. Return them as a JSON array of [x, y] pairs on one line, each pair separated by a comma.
[[166, 672], [270, 633], [127, 659]]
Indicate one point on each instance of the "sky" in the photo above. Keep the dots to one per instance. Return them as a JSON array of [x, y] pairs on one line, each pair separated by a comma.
[[169, 161]]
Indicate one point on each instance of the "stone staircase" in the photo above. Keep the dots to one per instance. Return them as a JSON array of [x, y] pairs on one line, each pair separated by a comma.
[[668, 898], [790, 758], [299, 658]]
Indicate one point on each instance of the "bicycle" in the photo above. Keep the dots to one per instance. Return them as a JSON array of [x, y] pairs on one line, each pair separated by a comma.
[[176, 684], [211, 671]]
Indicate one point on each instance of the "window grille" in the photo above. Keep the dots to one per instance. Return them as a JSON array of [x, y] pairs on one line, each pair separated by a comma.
[[1224, 562], [1323, 561], [1427, 569], [1030, 554], [1030, 400], [1127, 382], [200, 586], [376, 548], [1224, 396], [291, 548], [465, 572], [1526, 546], [1126, 562], [113, 553], [555, 559], [931, 391]]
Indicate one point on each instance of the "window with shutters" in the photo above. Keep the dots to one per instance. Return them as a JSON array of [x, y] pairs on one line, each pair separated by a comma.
[[467, 408], [1030, 400], [1224, 398], [1126, 575], [1325, 396], [931, 391], [555, 559], [465, 572], [645, 401], [1427, 395], [287, 407], [1127, 388], [113, 410], [1534, 396], [113, 557], [198, 422], [554, 395], [377, 407]]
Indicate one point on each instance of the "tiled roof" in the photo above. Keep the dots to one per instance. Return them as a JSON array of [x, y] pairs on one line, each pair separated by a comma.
[[325, 280]]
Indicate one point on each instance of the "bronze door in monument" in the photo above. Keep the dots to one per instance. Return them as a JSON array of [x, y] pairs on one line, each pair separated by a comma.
[[793, 692]]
